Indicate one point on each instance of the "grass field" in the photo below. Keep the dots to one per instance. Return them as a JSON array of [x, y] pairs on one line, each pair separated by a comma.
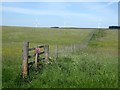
[[94, 66]]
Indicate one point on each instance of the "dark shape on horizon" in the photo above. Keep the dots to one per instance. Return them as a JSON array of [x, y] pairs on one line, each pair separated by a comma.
[[54, 27], [114, 27]]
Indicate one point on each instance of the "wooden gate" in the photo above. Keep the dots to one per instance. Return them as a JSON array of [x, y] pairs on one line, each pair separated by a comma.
[[36, 55]]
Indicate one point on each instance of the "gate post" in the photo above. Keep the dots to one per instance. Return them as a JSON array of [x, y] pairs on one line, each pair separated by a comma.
[[56, 53], [46, 48], [37, 52], [25, 59]]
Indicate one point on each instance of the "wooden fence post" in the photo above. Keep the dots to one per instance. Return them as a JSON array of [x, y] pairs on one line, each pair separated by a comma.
[[46, 48], [36, 59], [56, 52], [25, 59], [37, 53]]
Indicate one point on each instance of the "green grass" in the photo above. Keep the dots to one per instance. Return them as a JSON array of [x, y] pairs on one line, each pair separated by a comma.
[[44, 35], [92, 67], [105, 39]]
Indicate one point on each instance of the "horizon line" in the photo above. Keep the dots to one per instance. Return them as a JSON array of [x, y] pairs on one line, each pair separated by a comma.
[[50, 26]]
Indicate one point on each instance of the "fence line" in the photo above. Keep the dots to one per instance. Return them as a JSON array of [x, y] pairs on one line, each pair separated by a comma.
[[64, 50], [58, 51]]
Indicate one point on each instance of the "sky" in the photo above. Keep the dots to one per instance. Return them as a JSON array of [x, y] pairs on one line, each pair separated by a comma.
[[61, 14], [119, 13]]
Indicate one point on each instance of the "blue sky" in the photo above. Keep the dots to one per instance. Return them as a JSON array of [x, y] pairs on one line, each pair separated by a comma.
[[47, 14]]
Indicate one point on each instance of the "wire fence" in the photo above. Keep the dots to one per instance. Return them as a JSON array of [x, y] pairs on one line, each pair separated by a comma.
[[66, 50]]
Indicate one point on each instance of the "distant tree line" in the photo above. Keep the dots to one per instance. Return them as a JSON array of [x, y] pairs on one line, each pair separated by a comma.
[[54, 27], [114, 27]]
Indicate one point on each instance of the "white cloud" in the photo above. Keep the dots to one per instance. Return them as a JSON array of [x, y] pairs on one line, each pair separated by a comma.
[[24, 11], [40, 12], [61, 12], [102, 8]]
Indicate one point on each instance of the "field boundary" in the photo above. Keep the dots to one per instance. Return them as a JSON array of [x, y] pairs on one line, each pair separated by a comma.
[[59, 51], [66, 50]]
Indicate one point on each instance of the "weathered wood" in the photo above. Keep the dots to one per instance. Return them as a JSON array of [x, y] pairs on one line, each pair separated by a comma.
[[56, 52], [40, 46], [73, 48], [30, 49], [36, 60], [37, 52], [46, 48], [25, 59]]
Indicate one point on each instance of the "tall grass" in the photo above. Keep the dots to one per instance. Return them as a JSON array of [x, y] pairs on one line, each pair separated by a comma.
[[93, 66], [81, 70]]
